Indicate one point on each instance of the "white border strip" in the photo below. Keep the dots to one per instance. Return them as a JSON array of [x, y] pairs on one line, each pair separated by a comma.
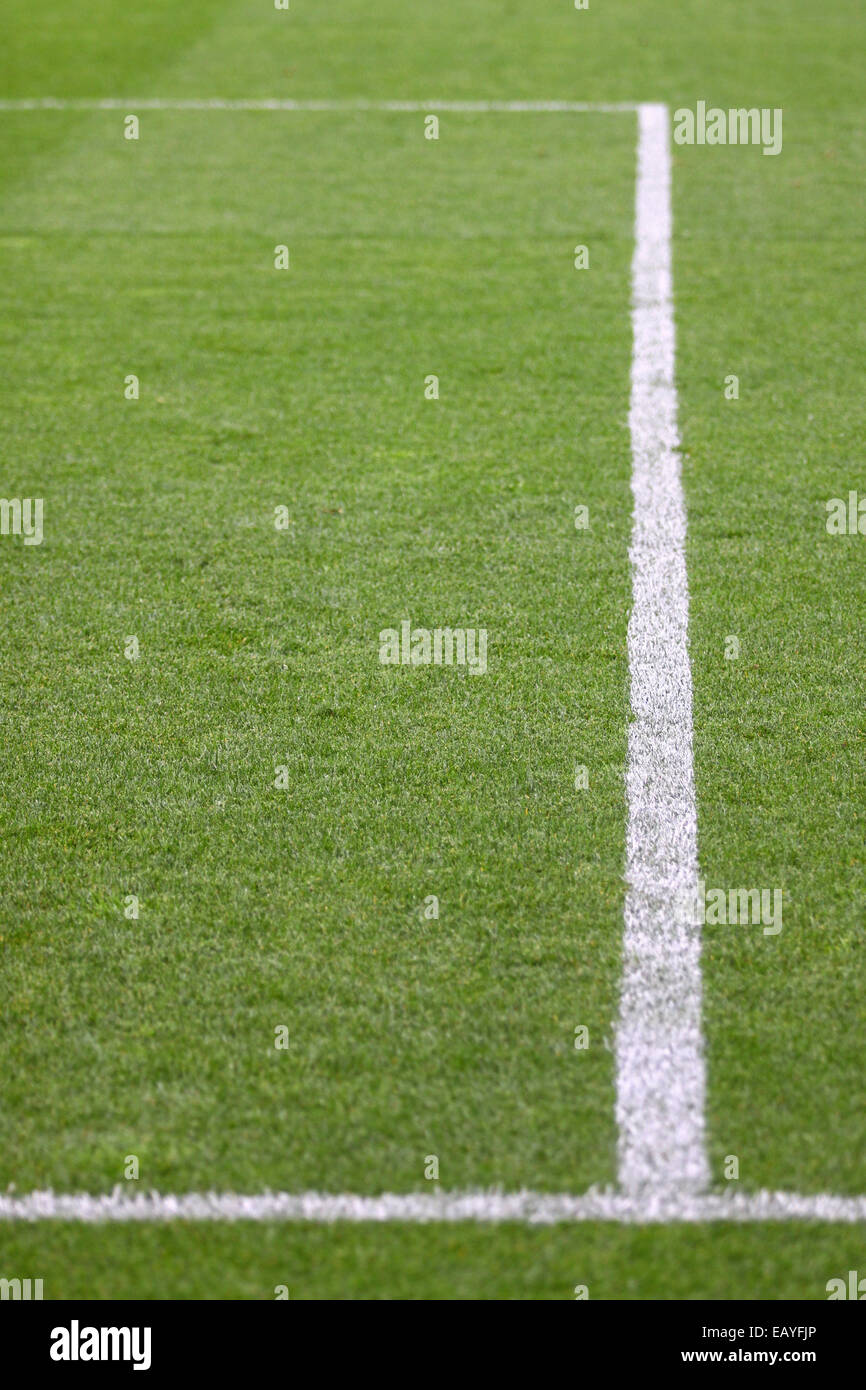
[[486, 1207], [659, 1047], [287, 104]]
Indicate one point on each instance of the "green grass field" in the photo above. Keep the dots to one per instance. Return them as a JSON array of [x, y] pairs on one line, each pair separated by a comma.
[[258, 648]]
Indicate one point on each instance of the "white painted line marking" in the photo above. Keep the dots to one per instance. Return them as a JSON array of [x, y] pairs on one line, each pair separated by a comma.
[[533, 1208], [287, 104], [659, 1052]]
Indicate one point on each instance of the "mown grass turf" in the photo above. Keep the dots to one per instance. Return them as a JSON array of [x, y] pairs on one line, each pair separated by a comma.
[[262, 907], [249, 1261], [768, 277], [259, 648]]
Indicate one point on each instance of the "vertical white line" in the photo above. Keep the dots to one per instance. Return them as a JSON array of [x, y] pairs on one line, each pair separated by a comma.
[[659, 1050]]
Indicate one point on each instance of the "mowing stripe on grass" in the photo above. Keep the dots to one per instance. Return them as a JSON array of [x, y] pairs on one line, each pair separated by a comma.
[[532, 1208], [288, 104], [659, 1050]]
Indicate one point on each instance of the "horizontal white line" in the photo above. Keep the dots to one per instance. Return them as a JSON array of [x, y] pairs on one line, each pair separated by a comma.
[[534, 1208], [134, 104]]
